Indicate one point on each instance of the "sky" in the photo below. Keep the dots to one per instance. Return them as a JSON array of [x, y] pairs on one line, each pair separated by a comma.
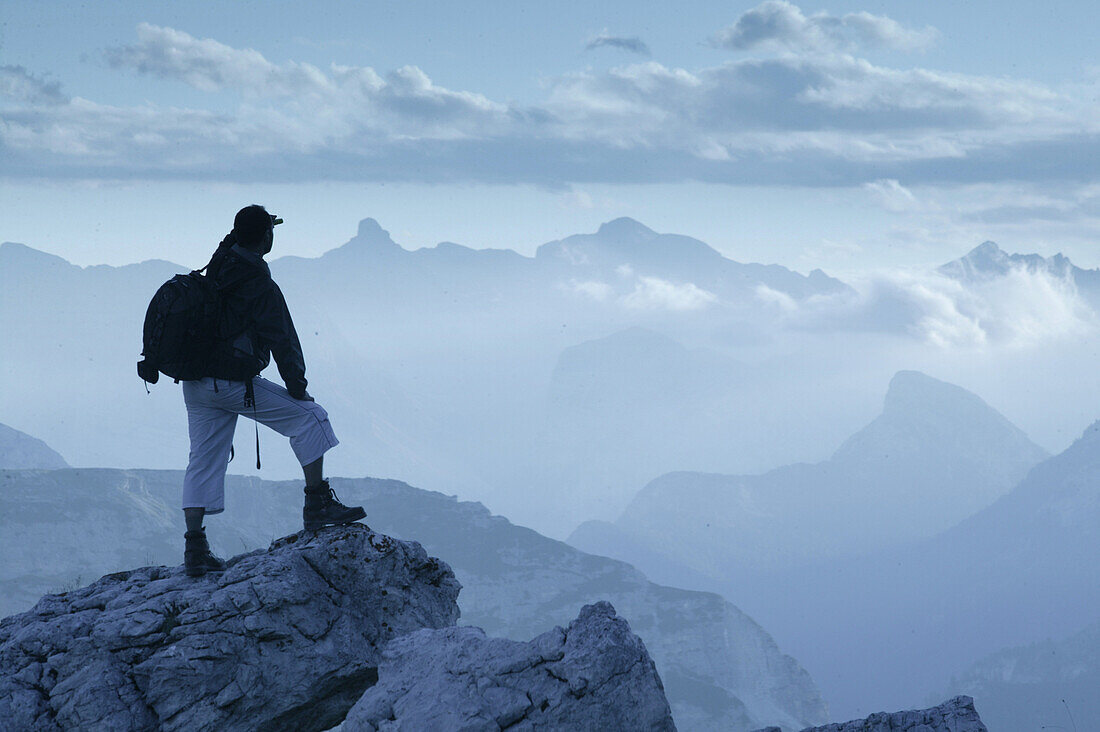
[[848, 136]]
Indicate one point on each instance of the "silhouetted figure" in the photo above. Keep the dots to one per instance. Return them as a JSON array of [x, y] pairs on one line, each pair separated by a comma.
[[254, 324]]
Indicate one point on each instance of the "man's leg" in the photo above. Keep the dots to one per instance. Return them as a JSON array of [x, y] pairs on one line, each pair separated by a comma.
[[314, 472], [211, 431], [193, 518], [306, 424]]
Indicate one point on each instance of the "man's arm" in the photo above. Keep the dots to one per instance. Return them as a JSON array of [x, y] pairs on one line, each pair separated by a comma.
[[275, 329]]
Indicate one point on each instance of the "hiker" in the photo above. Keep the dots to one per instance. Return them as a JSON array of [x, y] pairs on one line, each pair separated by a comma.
[[253, 325]]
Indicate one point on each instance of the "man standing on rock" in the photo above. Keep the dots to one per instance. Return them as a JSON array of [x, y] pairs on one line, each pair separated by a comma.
[[254, 325]]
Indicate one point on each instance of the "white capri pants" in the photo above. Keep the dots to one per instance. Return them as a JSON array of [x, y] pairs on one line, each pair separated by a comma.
[[212, 409]]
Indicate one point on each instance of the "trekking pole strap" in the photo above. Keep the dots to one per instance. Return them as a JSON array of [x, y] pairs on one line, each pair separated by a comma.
[[250, 401]]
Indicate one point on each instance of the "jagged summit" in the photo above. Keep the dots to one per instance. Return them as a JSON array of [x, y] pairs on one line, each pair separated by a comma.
[[371, 238], [988, 260], [370, 228], [625, 227]]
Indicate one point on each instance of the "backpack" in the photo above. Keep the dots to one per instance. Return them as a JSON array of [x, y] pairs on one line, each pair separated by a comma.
[[181, 326]]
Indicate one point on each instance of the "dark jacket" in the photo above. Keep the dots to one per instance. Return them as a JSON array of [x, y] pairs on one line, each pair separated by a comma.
[[255, 323]]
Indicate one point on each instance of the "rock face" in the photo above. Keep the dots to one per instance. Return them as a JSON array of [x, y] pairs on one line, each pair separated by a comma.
[[286, 638], [954, 715], [593, 675]]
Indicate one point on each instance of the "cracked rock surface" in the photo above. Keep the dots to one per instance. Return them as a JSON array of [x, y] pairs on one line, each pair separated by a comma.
[[954, 715], [286, 638], [594, 675]]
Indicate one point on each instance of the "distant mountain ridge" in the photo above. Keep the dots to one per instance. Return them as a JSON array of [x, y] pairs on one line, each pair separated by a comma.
[[988, 261], [1020, 571], [936, 455], [432, 362], [1027, 687], [20, 451]]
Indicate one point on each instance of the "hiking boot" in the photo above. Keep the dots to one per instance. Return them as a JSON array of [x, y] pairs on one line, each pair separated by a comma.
[[323, 509], [197, 557]]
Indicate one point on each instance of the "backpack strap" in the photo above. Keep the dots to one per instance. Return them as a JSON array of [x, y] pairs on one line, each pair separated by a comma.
[[223, 247]]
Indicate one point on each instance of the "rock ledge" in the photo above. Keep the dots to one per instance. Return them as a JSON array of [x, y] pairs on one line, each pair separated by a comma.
[[286, 638]]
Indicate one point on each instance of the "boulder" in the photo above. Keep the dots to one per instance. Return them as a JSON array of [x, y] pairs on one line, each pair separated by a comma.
[[594, 675], [954, 715], [285, 638]]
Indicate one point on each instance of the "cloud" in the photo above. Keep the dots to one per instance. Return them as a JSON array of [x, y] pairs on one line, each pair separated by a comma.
[[780, 25], [653, 293], [632, 44], [818, 121], [344, 99], [1019, 310], [598, 291], [19, 85], [781, 300], [891, 194]]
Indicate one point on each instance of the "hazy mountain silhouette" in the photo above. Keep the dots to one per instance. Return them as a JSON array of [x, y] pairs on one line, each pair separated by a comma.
[[889, 629], [935, 455], [988, 261], [433, 363], [19, 451], [625, 241]]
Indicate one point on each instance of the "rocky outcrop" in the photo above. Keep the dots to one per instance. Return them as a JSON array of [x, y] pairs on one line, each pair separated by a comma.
[[954, 715], [720, 669], [595, 675], [286, 638]]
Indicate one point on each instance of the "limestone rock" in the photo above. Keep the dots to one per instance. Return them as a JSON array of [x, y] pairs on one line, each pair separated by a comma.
[[593, 675], [286, 638], [954, 715]]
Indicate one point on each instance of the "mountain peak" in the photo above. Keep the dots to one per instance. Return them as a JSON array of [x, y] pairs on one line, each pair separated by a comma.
[[913, 391], [370, 237], [941, 413], [987, 260], [625, 227], [985, 249], [370, 229]]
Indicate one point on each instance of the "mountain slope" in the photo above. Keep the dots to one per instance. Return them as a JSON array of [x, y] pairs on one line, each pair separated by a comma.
[[1038, 685], [935, 455], [890, 628], [19, 450]]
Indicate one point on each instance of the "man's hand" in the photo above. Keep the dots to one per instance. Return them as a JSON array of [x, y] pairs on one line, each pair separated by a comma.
[[302, 396]]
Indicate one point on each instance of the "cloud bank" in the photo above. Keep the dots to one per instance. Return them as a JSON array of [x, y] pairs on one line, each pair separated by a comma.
[[1022, 309], [818, 118]]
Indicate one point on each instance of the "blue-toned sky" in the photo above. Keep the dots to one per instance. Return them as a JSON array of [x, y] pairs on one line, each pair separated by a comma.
[[842, 135]]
